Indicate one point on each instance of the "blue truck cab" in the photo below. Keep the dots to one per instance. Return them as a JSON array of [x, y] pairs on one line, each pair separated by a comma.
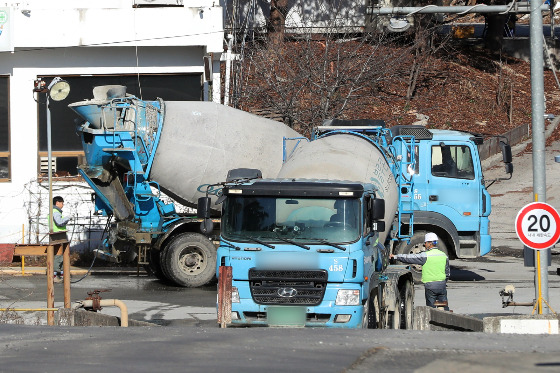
[[306, 253], [449, 194]]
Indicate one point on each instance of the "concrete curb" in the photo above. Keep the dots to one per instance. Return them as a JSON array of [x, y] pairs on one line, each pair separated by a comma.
[[427, 318], [522, 324], [69, 317]]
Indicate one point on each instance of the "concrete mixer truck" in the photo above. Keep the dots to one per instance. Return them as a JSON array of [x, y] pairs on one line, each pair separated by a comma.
[[136, 149], [310, 247]]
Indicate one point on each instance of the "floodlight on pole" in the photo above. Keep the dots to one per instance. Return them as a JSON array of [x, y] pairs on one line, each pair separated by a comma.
[[57, 90]]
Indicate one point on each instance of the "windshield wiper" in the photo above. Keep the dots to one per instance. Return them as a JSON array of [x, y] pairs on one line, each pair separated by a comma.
[[261, 242], [323, 241], [229, 244], [294, 243]]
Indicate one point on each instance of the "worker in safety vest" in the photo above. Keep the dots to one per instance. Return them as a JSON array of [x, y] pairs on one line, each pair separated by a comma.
[[59, 224], [435, 269]]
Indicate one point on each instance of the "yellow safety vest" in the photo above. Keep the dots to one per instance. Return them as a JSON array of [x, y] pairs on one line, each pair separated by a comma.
[[434, 268], [55, 227]]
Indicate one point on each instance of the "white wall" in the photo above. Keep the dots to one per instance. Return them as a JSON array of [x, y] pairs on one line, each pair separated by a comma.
[[301, 15], [67, 37]]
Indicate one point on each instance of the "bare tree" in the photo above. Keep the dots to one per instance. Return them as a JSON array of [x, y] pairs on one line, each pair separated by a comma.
[[278, 11], [318, 72], [425, 46]]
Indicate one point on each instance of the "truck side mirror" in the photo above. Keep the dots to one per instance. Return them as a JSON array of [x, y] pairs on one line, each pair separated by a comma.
[[379, 226], [203, 211], [377, 209], [509, 168], [506, 152]]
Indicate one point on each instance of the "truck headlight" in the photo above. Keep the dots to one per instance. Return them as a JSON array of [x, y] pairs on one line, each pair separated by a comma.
[[234, 295], [348, 298]]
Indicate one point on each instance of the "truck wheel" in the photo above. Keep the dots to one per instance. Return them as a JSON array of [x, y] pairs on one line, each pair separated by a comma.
[[416, 246], [154, 266], [365, 315], [190, 260], [393, 318], [407, 305], [371, 312]]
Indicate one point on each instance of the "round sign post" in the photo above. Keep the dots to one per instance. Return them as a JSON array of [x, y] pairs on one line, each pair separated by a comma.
[[537, 226]]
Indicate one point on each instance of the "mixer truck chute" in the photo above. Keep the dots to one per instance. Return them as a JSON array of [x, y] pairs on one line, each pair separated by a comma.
[[138, 152]]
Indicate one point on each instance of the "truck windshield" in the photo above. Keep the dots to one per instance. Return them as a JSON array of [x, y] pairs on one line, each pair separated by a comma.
[[303, 219]]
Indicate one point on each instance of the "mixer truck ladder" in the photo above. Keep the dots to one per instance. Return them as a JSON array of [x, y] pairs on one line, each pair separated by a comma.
[[404, 147], [132, 141]]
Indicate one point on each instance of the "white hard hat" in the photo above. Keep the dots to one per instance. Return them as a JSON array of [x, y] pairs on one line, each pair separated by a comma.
[[430, 237]]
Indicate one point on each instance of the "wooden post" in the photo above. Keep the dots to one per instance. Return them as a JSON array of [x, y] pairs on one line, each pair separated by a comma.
[[50, 284], [224, 296], [66, 268], [59, 246], [23, 256]]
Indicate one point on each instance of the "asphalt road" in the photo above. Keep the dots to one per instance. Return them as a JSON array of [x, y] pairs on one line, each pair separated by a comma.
[[185, 335], [191, 341]]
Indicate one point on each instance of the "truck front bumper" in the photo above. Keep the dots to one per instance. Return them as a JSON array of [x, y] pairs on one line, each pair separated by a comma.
[[326, 314]]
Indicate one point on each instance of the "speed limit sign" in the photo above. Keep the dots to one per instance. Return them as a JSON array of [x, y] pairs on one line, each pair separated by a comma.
[[537, 225]]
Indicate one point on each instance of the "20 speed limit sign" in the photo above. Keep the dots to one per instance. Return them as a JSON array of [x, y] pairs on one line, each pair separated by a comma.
[[537, 225]]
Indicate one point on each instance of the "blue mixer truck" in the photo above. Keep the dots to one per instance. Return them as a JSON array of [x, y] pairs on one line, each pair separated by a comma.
[[138, 152], [310, 247], [137, 149]]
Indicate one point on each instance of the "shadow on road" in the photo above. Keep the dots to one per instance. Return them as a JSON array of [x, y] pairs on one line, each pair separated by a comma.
[[460, 274]]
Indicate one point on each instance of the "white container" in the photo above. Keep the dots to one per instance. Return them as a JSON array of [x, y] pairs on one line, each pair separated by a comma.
[[202, 141]]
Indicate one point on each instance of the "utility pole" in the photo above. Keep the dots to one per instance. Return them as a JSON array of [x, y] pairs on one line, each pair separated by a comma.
[[537, 121]]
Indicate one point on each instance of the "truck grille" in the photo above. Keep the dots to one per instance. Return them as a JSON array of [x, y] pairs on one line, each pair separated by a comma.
[[285, 287]]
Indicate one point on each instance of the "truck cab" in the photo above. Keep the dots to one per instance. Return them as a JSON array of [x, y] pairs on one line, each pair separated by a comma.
[[306, 253], [449, 196], [446, 193]]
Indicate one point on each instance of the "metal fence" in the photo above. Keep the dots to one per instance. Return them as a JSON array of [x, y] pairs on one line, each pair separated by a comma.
[[491, 145]]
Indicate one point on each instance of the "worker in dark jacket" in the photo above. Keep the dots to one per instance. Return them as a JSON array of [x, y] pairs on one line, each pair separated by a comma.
[[435, 269]]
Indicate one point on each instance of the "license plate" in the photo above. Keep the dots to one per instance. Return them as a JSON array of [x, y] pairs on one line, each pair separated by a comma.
[[289, 316]]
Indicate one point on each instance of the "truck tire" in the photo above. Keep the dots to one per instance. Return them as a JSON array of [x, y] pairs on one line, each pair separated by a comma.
[[393, 318], [373, 311], [189, 260], [407, 305], [416, 246], [154, 266], [365, 315]]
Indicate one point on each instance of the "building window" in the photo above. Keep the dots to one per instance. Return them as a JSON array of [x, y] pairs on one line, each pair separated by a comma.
[[4, 128], [67, 151]]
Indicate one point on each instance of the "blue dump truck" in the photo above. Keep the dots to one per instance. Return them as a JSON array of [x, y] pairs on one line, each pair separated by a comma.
[[140, 152], [310, 246]]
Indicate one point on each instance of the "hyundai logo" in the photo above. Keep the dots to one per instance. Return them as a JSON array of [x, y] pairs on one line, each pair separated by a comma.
[[287, 292]]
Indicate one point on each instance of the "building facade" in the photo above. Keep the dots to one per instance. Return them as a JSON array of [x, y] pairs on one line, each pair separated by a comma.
[[156, 48]]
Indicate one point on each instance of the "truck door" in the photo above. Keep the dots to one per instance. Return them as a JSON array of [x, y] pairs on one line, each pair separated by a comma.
[[454, 186]]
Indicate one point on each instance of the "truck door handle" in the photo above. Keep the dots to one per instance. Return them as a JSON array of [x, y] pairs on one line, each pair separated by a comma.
[[433, 198]]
